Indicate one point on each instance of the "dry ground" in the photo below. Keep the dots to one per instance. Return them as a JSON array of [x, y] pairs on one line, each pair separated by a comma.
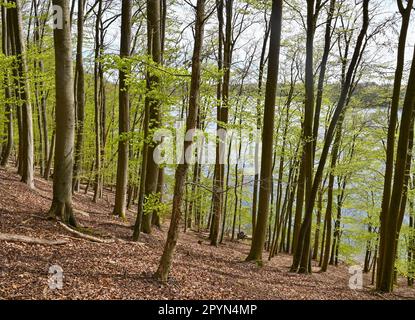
[[123, 269]]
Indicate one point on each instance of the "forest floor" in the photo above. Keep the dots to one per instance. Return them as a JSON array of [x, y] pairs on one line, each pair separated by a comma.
[[123, 269]]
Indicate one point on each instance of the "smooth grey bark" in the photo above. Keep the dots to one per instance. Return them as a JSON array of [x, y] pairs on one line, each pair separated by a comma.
[[65, 120]]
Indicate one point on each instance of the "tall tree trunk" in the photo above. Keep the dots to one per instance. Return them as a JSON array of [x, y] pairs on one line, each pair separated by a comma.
[[27, 125], [299, 203], [411, 245], [236, 193], [390, 144], [302, 252], [225, 207], [17, 95], [97, 104], [260, 81], [154, 51], [319, 100], [40, 90], [217, 195], [279, 214], [124, 104], [391, 229], [65, 122], [222, 116], [258, 239], [290, 210], [41, 161], [329, 209], [323, 69], [318, 225], [8, 110], [308, 144], [80, 97], [180, 176], [192, 200], [160, 177]]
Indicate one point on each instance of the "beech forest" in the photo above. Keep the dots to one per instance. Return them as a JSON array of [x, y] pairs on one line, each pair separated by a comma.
[[207, 150]]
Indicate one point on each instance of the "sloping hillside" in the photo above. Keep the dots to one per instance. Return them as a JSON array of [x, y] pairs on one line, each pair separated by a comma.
[[122, 269]]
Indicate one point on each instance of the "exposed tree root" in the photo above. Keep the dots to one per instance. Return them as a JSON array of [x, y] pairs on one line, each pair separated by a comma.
[[26, 239], [64, 211], [85, 236]]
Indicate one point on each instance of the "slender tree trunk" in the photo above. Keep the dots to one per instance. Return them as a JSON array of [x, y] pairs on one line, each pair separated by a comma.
[[336, 238], [143, 168], [303, 263], [299, 202], [217, 195], [329, 209], [154, 50], [15, 76], [290, 212], [258, 239], [180, 176], [375, 259], [322, 75], [27, 125], [236, 192], [160, 186], [8, 110], [46, 173], [223, 111], [260, 81], [411, 246], [391, 234], [97, 104], [319, 99], [390, 146], [192, 200], [80, 97], [186, 207], [41, 160], [368, 253], [228, 172], [160, 178], [40, 91], [318, 225], [124, 106], [302, 252]]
